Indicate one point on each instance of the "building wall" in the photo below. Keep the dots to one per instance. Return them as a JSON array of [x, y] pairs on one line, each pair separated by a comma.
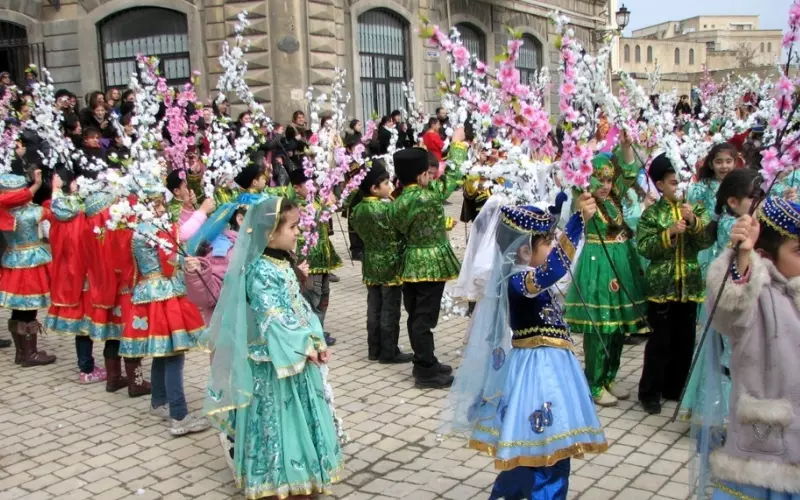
[[671, 29], [663, 54], [295, 43]]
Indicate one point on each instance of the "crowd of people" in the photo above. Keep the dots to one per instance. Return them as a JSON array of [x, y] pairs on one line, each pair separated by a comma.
[[242, 267]]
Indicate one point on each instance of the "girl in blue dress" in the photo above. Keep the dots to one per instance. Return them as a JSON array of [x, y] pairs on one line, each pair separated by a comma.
[[734, 197], [521, 395], [721, 161]]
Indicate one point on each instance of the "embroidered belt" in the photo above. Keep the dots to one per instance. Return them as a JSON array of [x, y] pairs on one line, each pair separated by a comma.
[[620, 238], [26, 246]]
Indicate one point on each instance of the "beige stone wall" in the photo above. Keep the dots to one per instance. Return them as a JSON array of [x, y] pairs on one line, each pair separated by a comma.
[[323, 32], [663, 54]]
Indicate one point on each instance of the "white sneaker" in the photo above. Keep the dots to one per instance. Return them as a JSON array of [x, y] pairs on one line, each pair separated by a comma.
[[606, 399], [161, 412], [227, 450], [618, 392], [188, 425]]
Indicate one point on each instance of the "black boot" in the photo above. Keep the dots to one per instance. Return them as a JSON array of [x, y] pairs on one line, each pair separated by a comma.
[[430, 378]]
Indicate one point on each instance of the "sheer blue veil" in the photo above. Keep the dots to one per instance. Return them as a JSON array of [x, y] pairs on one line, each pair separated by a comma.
[[232, 325], [482, 372], [710, 414]]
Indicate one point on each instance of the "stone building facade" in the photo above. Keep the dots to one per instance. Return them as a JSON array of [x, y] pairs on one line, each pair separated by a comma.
[[90, 44], [688, 46]]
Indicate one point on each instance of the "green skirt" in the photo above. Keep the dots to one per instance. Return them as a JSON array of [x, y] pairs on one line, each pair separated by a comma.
[[286, 441], [610, 308]]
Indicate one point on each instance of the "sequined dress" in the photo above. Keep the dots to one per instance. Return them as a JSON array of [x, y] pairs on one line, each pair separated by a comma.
[[286, 442], [694, 398], [704, 193], [163, 321], [25, 274], [545, 411]]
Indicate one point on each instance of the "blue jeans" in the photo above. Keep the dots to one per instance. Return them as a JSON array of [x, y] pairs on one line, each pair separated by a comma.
[[83, 348], [166, 377]]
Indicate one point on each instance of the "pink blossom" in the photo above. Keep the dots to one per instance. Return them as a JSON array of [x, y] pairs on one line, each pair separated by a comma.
[[484, 108], [313, 140], [508, 73], [461, 56], [498, 120], [480, 68], [784, 87], [514, 46], [789, 38]]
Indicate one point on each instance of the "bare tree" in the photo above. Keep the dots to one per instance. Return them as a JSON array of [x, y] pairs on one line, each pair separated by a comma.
[[745, 54]]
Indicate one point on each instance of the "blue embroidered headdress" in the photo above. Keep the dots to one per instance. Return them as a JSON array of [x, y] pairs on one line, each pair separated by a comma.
[[11, 182], [531, 219], [781, 215]]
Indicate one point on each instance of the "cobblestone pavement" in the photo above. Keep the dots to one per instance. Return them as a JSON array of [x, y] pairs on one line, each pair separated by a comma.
[[61, 439]]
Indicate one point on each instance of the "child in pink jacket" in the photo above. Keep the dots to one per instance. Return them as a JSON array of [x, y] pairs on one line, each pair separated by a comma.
[[204, 274]]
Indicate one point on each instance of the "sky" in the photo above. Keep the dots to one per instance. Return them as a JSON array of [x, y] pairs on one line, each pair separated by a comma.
[[772, 13]]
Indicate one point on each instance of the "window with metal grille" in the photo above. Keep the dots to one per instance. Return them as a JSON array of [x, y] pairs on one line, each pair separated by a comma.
[[638, 54], [649, 54], [16, 53], [150, 31], [691, 56], [473, 39], [382, 43], [677, 56], [530, 60]]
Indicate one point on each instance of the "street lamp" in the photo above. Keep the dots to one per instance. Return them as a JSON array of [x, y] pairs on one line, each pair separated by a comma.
[[623, 16]]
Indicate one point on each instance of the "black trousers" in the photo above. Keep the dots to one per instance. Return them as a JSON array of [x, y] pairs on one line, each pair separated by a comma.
[[422, 302], [669, 350], [383, 320], [356, 243]]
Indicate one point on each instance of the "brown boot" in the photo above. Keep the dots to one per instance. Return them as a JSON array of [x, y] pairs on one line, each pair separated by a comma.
[[137, 385], [114, 379], [13, 325], [30, 355]]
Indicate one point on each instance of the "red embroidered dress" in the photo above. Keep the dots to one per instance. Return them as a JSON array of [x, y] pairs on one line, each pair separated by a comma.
[[163, 321]]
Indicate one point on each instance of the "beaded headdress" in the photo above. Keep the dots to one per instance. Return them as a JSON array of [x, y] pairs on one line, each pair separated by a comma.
[[11, 182], [531, 219], [781, 215]]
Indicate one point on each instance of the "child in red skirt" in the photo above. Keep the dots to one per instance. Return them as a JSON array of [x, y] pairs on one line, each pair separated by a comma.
[[164, 324], [25, 275]]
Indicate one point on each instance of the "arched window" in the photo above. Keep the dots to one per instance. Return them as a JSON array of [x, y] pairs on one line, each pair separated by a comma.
[[382, 42], [762, 47], [530, 59], [637, 53], [627, 53], [15, 51], [473, 39], [649, 54], [677, 56], [150, 31], [691, 57], [769, 47]]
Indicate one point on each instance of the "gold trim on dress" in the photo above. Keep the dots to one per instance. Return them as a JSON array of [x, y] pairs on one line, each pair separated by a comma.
[[576, 450], [734, 493], [530, 284], [542, 341]]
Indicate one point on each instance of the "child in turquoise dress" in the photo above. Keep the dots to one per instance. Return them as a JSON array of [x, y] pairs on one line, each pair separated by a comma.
[[734, 198], [721, 161], [521, 395], [267, 385]]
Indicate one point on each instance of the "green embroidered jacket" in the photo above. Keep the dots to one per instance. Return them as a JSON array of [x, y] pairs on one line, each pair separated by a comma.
[[383, 252], [673, 274], [419, 218]]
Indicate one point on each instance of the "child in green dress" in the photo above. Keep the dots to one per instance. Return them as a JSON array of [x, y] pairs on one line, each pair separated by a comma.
[[267, 373], [608, 277]]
